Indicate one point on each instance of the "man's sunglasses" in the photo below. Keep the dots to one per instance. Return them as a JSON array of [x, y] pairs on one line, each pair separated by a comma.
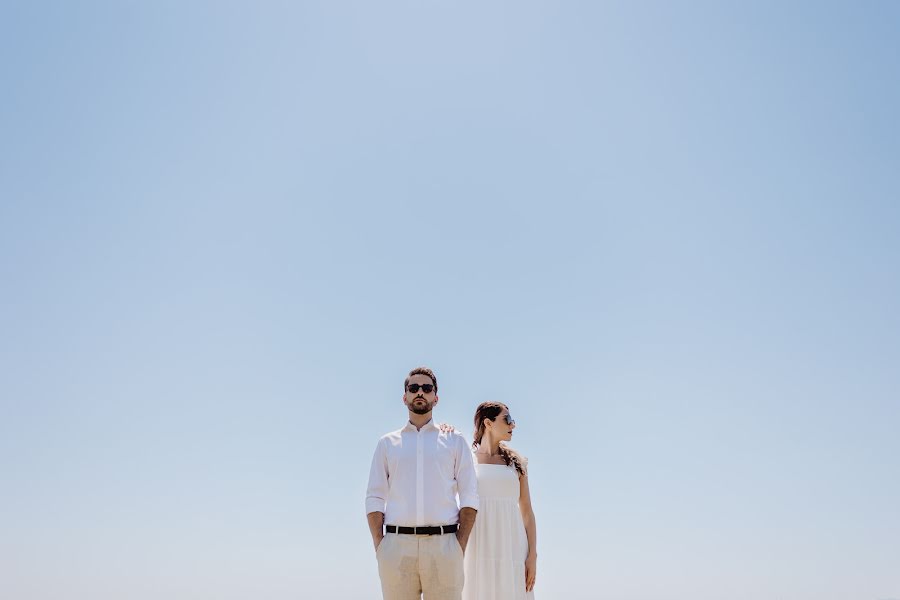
[[414, 388]]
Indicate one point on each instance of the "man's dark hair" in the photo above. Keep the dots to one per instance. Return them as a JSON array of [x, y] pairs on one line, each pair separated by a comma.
[[421, 371]]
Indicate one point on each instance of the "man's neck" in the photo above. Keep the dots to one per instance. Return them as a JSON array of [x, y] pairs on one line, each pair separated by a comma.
[[418, 421]]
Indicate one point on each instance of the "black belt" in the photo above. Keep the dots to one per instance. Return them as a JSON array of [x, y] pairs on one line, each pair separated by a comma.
[[434, 530]]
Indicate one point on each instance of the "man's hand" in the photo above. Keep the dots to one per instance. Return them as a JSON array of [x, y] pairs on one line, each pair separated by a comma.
[[462, 542], [466, 521], [376, 527]]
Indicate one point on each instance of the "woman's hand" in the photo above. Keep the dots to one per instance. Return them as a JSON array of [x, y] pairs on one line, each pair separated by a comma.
[[446, 428], [530, 571]]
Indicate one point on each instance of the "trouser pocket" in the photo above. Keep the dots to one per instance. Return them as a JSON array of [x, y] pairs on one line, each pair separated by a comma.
[[449, 561]]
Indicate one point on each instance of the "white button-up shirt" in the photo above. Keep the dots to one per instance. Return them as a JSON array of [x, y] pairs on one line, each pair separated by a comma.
[[417, 474]]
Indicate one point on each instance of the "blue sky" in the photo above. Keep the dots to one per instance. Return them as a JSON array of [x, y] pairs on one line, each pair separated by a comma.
[[665, 234]]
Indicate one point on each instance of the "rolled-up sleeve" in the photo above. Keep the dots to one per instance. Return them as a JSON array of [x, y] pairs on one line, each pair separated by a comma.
[[466, 479], [377, 491]]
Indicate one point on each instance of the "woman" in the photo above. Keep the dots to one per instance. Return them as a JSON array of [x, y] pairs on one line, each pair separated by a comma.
[[501, 556]]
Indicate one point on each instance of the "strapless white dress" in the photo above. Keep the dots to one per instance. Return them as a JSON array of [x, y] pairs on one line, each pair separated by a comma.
[[495, 555]]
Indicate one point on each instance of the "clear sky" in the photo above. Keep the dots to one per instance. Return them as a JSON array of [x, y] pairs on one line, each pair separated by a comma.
[[666, 234]]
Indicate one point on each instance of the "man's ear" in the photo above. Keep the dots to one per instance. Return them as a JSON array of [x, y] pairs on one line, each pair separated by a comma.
[[436, 398]]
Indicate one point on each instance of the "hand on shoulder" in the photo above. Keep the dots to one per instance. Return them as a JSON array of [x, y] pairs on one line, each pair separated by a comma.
[[447, 428]]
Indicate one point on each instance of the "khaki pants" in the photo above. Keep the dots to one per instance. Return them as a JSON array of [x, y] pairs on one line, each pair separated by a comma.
[[410, 565]]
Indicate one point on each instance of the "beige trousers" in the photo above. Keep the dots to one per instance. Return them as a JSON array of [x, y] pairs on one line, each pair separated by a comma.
[[412, 565]]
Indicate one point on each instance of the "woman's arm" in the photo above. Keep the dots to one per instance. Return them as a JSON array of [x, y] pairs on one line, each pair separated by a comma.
[[530, 532]]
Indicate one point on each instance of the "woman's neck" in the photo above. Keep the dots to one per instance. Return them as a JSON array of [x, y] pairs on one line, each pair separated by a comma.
[[489, 446]]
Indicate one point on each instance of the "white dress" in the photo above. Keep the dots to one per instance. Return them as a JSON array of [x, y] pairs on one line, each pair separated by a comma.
[[495, 554]]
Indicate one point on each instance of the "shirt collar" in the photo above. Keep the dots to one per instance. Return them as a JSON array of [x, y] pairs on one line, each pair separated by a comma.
[[429, 425]]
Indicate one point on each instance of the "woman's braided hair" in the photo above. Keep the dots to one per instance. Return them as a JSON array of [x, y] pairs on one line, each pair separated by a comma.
[[491, 410]]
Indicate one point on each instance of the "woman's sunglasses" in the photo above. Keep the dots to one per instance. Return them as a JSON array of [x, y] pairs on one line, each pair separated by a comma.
[[509, 420]]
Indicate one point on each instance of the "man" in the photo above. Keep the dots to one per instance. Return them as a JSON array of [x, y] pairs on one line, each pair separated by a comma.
[[411, 503]]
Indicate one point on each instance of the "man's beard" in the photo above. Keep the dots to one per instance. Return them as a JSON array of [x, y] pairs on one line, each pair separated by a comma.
[[422, 409]]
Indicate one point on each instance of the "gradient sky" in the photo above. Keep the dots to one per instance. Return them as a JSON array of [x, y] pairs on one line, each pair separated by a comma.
[[666, 234]]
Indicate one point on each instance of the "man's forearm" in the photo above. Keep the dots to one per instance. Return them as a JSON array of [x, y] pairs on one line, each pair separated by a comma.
[[376, 527], [466, 522]]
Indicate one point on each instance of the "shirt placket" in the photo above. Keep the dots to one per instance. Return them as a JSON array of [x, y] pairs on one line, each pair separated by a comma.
[[420, 479]]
